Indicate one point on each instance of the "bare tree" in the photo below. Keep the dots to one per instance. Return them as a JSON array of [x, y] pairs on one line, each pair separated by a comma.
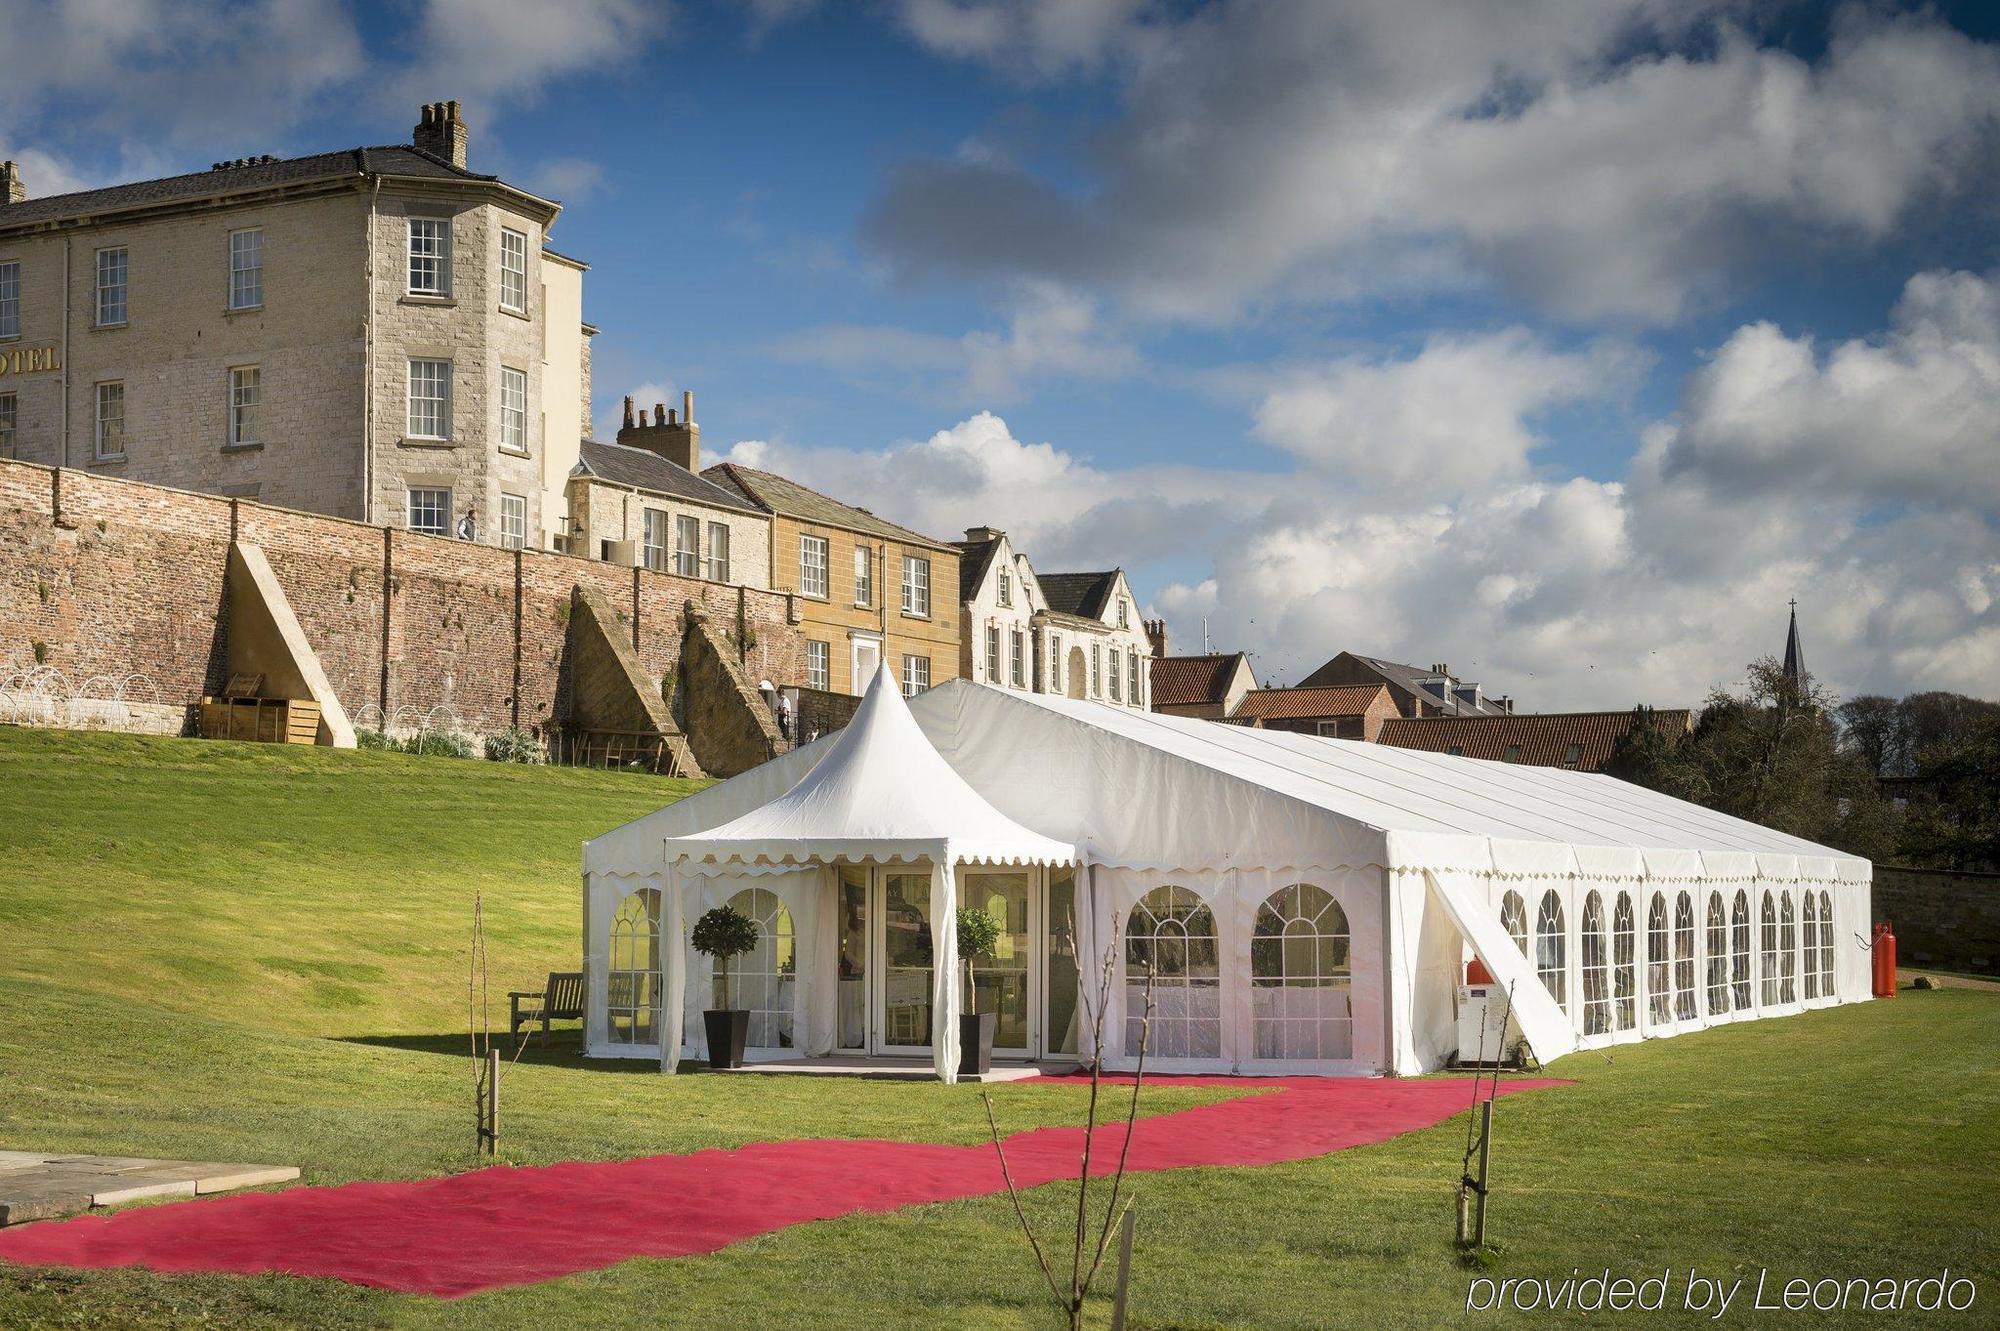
[[1071, 1295]]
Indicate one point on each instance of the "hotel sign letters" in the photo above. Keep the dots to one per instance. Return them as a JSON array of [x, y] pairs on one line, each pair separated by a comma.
[[28, 360]]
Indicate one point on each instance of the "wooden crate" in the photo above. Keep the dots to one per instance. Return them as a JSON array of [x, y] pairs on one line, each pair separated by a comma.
[[261, 720]]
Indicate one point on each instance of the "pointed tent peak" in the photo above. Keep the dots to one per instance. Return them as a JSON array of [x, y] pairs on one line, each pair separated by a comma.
[[882, 793], [1795, 656]]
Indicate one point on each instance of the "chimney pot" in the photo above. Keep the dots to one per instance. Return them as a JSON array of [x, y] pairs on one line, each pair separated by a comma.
[[687, 405], [628, 411], [12, 190], [670, 416], [442, 133], [659, 413]]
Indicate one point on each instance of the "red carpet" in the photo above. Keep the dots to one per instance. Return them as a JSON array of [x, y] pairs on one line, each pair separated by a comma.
[[506, 1226]]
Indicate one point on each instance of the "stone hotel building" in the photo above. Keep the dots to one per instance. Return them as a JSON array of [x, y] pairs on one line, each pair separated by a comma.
[[378, 333]]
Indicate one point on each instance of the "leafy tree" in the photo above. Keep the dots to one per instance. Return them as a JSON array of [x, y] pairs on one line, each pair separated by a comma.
[[978, 931], [1953, 820], [1770, 755]]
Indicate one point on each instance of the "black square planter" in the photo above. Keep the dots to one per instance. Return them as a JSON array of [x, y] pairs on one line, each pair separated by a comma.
[[728, 1032], [975, 1043]]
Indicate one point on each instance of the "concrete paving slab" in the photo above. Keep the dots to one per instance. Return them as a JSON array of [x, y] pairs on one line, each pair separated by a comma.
[[40, 1186], [238, 1176], [138, 1189]]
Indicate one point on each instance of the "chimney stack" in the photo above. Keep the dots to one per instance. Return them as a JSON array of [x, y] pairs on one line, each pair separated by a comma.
[[665, 432], [1156, 633], [981, 535], [441, 133], [11, 188]]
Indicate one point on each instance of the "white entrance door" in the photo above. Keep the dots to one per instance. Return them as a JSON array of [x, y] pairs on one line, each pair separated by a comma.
[[1008, 980], [902, 929], [1005, 980], [866, 660]]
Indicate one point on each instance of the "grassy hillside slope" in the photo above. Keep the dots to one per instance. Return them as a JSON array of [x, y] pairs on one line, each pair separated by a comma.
[[237, 952]]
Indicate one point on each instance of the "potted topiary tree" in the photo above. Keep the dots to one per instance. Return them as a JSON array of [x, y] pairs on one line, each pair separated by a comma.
[[723, 933], [978, 931]]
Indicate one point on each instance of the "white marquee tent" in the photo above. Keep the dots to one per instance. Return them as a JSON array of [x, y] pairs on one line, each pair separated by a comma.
[[1303, 904]]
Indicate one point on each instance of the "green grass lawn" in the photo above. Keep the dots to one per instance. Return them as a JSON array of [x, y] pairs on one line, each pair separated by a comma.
[[224, 951]]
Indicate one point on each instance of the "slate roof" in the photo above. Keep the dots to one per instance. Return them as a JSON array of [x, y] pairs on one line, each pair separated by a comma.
[[1544, 740], [1084, 594], [1406, 677], [243, 176], [643, 469], [776, 494], [1180, 681], [974, 558], [1300, 703]]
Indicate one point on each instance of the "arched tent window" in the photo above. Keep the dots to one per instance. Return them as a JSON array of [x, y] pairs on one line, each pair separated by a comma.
[[1739, 951], [633, 972], [1826, 946], [1767, 952], [1172, 934], [1514, 919], [1684, 1001], [1551, 960], [765, 978], [1718, 955], [1788, 952], [1624, 965], [1596, 971], [1809, 936], [1300, 976], [1659, 962]]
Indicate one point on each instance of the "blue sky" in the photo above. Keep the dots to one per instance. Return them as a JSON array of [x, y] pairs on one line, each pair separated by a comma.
[[1563, 341]]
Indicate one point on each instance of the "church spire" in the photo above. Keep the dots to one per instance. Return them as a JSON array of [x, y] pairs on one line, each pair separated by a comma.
[[1795, 657]]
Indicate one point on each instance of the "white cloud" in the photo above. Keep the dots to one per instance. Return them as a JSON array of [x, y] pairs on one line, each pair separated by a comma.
[[568, 179], [1577, 593], [1911, 415], [1304, 151], [1051, 332], [125, 68], [1456, 416], [490, 53]]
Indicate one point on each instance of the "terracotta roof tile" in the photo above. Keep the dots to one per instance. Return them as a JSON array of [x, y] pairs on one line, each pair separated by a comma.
[[1582, 741], [1180, 681], [1330, 700]]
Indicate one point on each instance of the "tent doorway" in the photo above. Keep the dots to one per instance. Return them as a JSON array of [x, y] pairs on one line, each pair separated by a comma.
[[886, 977]]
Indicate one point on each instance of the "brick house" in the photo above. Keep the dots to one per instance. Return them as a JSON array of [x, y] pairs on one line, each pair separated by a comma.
[[866, 589], [379, 333], [1211, 685], [1579, 741], [1417, 692], [1337, 711]]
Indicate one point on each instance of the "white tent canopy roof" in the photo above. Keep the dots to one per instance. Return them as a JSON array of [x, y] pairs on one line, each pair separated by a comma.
[[1398, 808], [880, 792]]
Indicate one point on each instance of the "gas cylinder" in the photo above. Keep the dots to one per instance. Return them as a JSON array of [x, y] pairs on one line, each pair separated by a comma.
[[1883, 953], [1476, 972]]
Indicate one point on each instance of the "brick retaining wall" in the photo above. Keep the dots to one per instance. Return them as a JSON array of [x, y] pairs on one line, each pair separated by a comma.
[[1942, 919], [108, 577]]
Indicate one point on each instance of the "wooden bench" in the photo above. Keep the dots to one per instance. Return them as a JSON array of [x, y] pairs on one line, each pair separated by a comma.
[[561, 1000]]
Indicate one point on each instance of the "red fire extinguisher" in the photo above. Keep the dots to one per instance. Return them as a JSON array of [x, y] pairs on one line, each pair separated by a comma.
[[1883, 950]]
